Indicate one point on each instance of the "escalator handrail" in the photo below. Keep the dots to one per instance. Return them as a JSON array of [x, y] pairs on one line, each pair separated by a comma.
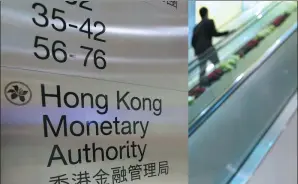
[[243, 27], [246, 25], [239, 81]]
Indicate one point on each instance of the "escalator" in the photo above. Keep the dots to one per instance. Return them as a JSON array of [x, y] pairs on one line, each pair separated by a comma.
[[240, 22], [224, 135], [212, 93], [263, 19]]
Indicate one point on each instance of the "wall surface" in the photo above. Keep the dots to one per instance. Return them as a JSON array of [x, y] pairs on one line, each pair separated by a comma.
[[93, 92], [221, 11]]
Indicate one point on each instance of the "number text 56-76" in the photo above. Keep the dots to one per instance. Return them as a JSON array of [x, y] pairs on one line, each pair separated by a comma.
[[99, 60]]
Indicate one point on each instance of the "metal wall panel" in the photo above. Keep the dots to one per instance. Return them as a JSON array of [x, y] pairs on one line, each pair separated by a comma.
[[145, 40], [146, 63]]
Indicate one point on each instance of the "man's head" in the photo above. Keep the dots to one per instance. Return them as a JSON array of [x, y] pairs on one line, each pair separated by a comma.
[[204, 12]]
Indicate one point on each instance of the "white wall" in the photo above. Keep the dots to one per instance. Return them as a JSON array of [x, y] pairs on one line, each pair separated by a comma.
[[221, 11]]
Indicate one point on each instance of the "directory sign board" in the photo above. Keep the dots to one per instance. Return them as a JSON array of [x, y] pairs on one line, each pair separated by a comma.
[[93, 92], [133, 41]]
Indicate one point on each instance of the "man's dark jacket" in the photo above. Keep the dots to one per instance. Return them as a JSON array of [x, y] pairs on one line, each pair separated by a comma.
[[202, 35]]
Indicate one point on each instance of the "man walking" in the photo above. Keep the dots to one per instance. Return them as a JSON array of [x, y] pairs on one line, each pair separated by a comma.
[[202, 40]]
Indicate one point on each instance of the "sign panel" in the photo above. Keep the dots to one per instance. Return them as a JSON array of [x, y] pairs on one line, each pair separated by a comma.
[[87, 92], [133, 41], [57, 127]]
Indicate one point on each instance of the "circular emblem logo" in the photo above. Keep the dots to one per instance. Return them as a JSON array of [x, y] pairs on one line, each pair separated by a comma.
[[18, 93]]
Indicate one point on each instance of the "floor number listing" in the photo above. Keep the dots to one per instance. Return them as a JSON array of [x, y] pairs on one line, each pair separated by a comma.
[[46, 48]]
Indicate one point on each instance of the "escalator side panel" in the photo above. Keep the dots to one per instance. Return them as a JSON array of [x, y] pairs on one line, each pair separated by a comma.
[[229, 134]]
